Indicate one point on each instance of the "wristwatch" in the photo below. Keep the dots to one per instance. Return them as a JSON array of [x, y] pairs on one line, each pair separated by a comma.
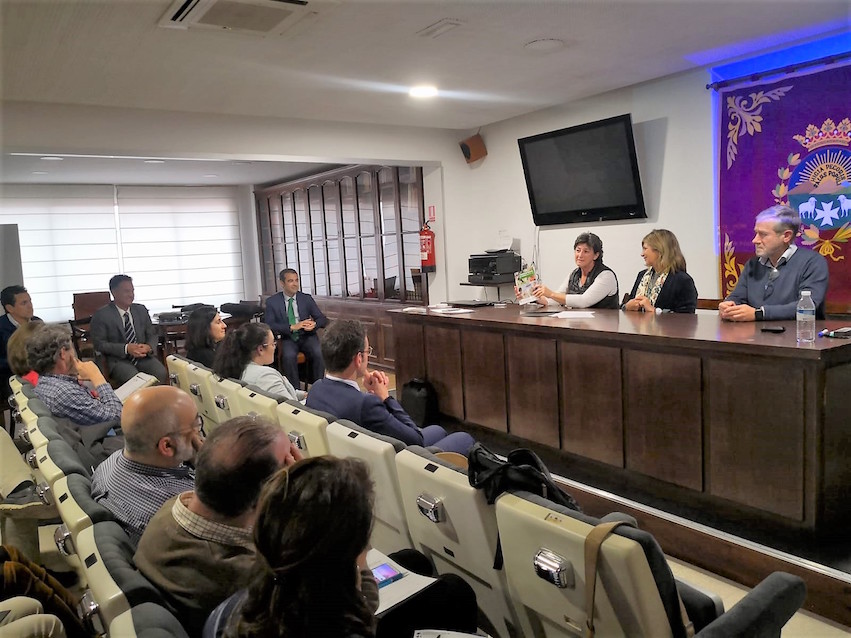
[[759, 314]]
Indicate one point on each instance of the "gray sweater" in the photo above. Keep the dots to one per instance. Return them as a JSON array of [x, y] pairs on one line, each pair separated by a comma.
[[805, 270]]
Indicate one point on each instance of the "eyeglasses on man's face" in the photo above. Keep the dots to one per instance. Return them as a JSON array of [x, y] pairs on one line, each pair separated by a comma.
[[197, 427], [369, 351]]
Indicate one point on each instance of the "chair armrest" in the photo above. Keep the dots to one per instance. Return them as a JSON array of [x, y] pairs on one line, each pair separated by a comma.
[[763, 612]]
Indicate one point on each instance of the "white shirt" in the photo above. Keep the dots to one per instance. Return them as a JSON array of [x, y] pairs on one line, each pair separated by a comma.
[[604, 285], [121, 314], [295, 306], [354, 384]]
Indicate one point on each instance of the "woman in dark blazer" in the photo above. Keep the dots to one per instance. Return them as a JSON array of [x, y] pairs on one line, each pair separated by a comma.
[[664, 285], [204, 331]]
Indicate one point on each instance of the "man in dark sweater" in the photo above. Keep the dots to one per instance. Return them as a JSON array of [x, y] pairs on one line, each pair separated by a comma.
[[771, 283], [346, 350]]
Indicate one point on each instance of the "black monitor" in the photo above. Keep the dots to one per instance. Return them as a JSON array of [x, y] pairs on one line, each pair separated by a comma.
[[581, 174]]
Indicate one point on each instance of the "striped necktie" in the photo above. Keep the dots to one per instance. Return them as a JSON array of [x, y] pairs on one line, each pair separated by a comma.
[[129, 332]]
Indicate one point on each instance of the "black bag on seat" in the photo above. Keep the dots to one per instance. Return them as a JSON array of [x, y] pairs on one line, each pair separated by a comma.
[[419, 399], [241, 309], [523, 470]]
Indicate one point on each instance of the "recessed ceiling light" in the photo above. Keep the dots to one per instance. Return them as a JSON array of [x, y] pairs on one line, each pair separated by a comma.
[[154, 161], [52, 158], [423, 91], [39, 172], [210, 175], [544, 45]]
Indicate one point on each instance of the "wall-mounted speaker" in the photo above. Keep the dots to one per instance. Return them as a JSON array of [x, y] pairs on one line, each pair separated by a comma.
[[473, 148]]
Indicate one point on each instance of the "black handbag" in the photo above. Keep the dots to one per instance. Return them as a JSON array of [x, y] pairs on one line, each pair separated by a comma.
[[522, 470], [419, 399]]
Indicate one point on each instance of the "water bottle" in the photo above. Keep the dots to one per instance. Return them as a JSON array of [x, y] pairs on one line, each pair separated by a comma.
[[805, 315]]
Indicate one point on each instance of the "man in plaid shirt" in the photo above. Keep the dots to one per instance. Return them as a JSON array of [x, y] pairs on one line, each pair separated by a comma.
[[61, 377]]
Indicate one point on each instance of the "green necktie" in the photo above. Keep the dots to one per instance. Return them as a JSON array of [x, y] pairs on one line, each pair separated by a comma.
[[291, 317]]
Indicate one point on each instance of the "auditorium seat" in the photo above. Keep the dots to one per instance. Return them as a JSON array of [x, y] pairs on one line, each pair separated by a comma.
[[15, 382], [305, 427], [252, 400], [147, 620], [42, 431], [200, 387], [543, 546], [452, 523], [390, 528], [177, 371], [224, 397], [78, 510], [115, 585], [55, 460]]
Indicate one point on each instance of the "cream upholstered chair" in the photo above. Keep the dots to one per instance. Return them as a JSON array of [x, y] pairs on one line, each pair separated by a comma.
[[305, 427], [176, 365], [390, 528], [147, 620], [451, 522], [636, 594], [200, 380], [224, 397], [252, 400], [115, 585], [78, 510]]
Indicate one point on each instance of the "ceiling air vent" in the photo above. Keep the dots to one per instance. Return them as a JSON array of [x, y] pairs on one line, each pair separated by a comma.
[[256, 17]]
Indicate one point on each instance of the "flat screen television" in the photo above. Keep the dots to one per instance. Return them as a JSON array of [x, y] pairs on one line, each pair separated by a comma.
[[585, 173]]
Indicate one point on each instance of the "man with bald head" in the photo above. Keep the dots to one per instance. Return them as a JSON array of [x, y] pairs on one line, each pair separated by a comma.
[[162, 432], [199, 548]]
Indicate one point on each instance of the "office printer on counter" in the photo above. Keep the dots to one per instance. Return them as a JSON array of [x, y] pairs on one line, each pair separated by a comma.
[[494, 267]]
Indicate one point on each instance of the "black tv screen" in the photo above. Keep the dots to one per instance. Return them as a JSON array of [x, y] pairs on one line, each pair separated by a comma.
[[585, 173]]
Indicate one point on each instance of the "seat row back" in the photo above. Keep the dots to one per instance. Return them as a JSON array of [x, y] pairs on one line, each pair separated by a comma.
[[525, 557]]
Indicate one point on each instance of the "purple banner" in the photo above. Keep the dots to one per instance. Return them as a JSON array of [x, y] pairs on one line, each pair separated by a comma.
[[788, 142]]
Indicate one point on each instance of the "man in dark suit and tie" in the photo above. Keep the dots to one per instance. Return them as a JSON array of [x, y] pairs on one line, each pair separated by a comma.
[[295, 316], [18, 307], [122, 330]]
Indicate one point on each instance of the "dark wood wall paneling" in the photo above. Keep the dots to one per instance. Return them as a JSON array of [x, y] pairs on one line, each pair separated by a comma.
[[484, 378]]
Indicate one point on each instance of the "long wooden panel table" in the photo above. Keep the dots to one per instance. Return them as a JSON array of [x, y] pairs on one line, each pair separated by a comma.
[[706, 412]]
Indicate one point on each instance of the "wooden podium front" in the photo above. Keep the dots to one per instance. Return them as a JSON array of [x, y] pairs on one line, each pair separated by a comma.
[[706, 412]]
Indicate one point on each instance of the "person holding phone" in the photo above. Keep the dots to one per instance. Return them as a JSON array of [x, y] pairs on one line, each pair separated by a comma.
[[311, 534]]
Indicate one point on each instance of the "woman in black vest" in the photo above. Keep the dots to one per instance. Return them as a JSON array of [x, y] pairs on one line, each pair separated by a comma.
[[590, 285], [664, 285]]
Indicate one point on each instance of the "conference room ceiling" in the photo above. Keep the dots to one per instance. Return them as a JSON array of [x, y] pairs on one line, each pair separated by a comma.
[[355, 60]]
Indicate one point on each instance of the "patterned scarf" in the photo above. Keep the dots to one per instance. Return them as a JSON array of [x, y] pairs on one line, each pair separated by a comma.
[[648, 289]]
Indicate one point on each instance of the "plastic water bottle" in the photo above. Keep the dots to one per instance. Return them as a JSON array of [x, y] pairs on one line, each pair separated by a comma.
[[805, 315]]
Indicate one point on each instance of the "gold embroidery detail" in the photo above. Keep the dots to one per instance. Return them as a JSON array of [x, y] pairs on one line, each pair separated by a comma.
[[747, 117]]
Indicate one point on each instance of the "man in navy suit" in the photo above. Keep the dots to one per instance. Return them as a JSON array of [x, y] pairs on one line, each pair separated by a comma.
[[346, 349], [295, 316], [18, 307], [122, 330]]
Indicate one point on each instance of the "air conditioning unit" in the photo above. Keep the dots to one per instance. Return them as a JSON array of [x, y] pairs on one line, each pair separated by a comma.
[[255, 17]]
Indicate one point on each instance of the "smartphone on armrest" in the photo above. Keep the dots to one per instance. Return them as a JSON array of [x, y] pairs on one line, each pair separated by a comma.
[[385, 574]]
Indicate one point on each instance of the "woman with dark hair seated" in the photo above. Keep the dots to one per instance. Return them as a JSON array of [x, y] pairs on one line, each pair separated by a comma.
[[246, 354], [665, 285], [314, 520], [204, 332], [591, 285]]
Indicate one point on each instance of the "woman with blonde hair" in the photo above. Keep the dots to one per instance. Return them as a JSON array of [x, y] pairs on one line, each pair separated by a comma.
[[664, 285]]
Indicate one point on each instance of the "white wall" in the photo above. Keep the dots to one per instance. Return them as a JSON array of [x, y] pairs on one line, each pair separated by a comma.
[[674, 138], [672, 119]]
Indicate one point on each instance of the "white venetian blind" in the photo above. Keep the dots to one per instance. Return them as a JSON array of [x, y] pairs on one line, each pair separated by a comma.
[[68, 242], [181, 244]]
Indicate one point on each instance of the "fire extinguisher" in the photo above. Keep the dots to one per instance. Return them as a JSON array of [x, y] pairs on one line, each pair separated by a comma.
[[427, 249]]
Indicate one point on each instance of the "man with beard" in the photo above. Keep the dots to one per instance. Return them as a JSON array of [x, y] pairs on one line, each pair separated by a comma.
[[61, 376], [162, 432]]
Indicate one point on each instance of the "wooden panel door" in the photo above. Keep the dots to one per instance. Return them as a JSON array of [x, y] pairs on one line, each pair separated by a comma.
[[443, 368], [484, 378], [663, 417], [533, 407], [410, 353], [756, 434], [592, 405]]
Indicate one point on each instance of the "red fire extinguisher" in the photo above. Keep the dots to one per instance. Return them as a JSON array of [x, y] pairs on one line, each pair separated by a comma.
[[427, 249]]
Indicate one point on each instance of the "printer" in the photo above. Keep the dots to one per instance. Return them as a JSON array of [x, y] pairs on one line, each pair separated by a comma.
[[493, 267]]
